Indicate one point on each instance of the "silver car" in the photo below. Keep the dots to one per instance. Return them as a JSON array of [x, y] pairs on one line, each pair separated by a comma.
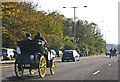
[[70, 55]]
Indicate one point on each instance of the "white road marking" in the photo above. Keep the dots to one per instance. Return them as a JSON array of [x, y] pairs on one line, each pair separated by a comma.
[[96, 72], [109, 64]]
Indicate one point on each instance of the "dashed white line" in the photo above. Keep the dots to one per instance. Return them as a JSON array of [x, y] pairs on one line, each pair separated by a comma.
[[109, 64], [96, 72]]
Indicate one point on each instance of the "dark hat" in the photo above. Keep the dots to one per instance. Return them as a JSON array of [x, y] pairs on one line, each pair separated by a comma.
[[38, 33], [28, 34]]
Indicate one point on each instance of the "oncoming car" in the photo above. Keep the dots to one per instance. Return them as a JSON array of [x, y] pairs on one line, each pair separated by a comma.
[[70, 55]]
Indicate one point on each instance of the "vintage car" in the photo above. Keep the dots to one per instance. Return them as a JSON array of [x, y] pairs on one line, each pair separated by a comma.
[[33, 54]]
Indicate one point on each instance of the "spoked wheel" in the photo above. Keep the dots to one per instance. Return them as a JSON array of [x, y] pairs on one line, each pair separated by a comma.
[[42, 66], [52, 67], [31, 71], [18, 70]]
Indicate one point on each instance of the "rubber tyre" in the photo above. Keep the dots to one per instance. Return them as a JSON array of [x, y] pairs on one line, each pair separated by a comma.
[[31, 71], [62, 60], [110, 56], [74, 59], [10, 58], [52, 67], [18, 69], [42, 67]]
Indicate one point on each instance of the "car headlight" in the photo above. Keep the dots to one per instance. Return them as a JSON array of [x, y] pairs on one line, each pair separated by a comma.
[[31, 57]]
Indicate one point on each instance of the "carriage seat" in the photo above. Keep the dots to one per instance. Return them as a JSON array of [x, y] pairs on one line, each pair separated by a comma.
[[31, 46]]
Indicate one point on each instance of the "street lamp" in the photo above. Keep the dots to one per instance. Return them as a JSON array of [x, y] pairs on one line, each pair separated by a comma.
[[74, 21], [106, 36]]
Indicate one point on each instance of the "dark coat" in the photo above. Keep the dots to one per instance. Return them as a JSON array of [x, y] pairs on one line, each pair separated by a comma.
[[26, 38], [41, 38]]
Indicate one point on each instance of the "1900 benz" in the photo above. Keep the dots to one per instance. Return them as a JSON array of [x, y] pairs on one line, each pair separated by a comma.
[[33, 55]]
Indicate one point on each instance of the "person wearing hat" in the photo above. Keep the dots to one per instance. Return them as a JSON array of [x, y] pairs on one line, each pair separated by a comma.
[[28, 35], [38, 36]]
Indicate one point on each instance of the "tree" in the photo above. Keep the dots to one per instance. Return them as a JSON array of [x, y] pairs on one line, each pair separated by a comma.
[[19, 18], [69, 43]]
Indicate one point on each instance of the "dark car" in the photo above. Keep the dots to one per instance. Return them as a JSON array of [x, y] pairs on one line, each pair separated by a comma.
[[70, 55]]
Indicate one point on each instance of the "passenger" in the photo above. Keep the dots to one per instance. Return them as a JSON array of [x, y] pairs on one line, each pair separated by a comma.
[[28, 35], [111, 50], [38, 36], [115, 51]]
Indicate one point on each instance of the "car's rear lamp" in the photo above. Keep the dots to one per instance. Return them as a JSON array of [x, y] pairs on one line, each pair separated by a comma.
[[6, 54], [72, 53], [31, 57]]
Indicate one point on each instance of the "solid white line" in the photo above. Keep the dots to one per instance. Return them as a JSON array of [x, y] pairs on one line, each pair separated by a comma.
[[96, 72]]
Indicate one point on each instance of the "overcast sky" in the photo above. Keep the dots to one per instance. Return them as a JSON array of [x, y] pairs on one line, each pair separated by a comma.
[[102, 12]]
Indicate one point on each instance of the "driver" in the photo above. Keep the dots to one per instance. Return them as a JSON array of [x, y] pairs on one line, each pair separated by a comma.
[[28, 35]]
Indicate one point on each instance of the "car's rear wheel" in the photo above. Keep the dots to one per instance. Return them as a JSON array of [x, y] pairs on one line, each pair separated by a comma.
[[62, 60], [74, 59], [110, 55]]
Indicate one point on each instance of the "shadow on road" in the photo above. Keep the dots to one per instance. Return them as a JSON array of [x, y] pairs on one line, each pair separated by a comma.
[[8, 63], [64, 61], [25, 77], [109, 57], [58, 61]]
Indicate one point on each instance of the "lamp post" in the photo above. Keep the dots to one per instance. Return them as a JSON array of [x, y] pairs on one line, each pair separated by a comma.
[[74, 21]]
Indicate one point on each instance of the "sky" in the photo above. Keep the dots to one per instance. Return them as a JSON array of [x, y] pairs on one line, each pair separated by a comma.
[[102, 12]]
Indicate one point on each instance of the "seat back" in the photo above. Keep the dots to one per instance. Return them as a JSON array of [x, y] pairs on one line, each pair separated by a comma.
[[31, 46]]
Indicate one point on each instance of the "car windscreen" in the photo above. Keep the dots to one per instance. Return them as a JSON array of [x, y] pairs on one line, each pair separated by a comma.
[[68, 52], [4, 50]]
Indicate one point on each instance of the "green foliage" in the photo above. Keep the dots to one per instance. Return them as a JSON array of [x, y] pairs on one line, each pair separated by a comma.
[[69, 43], [21, 18]]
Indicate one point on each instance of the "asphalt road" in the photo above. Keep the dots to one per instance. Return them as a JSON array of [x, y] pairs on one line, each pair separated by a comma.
[[89, 68]]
